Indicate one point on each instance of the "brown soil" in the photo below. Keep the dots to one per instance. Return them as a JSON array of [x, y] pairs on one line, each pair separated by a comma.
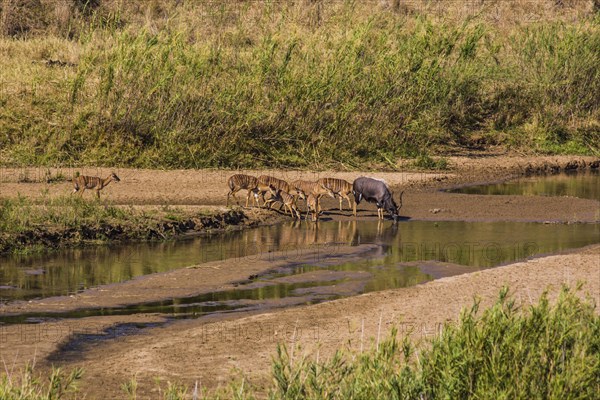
[[209, 351]]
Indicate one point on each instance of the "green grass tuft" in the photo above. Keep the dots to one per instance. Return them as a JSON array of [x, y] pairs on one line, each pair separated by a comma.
[[28, 387], [425, 161], [22, 214], [548, 351], [28, 226]]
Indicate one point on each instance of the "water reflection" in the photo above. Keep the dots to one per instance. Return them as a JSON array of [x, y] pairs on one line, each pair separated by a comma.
[[575, 184], [476, 244]]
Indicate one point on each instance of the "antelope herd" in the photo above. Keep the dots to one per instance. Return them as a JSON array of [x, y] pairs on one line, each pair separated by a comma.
[[279, 191]]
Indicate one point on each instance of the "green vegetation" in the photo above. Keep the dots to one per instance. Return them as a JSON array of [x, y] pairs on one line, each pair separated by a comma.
[[21, 214], [425, 161], [243, 84], [28, 387], [30, 226], [546, 351]]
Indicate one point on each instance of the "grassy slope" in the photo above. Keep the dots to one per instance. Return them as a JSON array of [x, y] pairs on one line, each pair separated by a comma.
[[246, 84]]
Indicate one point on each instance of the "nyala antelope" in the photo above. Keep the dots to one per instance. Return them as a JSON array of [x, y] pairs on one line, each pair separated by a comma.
[[239, 182], [340, 188], [311, 207], [315, 189], [299, 188], [288, 201], [377, 191], [265, 182], [82, 182], [302, 188]]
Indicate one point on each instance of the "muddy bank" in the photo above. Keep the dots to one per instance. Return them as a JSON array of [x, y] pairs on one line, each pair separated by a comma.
[[147, 228], [427, 205], [191, 190], [484, 167], [50, 336], [440, 206], [178, 187]]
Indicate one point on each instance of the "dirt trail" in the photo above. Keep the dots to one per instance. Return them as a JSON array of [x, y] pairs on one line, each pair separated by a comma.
[[177, 187]]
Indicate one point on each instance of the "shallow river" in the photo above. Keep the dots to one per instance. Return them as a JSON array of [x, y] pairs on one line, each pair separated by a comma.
[[585, 185], [405, 254]]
